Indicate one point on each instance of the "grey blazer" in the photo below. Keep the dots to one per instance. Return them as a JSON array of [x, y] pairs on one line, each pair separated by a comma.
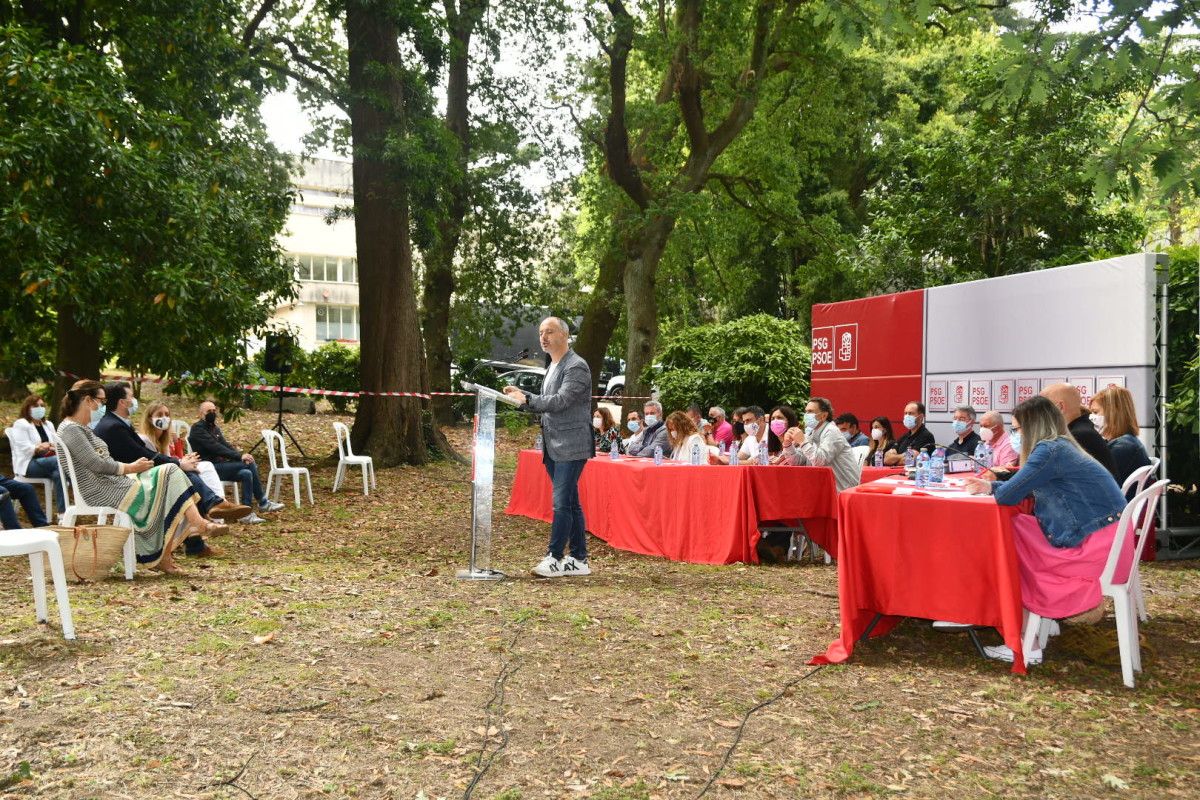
[[566, 408]]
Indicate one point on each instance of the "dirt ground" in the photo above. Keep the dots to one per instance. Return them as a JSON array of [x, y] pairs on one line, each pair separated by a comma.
[[332, 653]]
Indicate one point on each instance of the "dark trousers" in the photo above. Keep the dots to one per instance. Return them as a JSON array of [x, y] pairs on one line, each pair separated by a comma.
[[27, 496], [568, 525], [246, 474]]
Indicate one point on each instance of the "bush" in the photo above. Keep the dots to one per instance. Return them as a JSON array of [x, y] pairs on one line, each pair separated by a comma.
[[331, 366], [1183, 401], [759, 360]]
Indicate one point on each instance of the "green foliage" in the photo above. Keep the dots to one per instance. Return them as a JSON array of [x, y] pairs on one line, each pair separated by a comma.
[[1183, 375], [331, 366], [759, 360]]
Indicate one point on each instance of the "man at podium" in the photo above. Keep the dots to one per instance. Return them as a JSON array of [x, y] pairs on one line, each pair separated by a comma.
[[566, 408]]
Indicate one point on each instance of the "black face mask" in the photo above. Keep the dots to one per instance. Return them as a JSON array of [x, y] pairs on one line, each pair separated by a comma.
[[738, 428], [211, 418]]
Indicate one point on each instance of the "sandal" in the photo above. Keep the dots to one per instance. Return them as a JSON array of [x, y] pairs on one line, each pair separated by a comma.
[[174, 569]]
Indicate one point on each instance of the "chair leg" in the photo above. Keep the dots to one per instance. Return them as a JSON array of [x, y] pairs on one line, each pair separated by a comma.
[[38, 571], [237, 493], [373, 484], [1139, 596], [60, 591], [337, 476], [296, 487], [1126, 636], [308, 483], [1033, 625], [365, 492], [129, 555]]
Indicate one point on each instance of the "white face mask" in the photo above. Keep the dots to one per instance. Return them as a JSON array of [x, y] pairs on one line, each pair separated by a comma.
[[596, 423], [877, 433], [162, 423], [1098, 421], [38, 412], [133, 406], [986, 434]]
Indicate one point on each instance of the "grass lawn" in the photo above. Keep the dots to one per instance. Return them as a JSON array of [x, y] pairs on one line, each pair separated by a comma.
[[332, 653]]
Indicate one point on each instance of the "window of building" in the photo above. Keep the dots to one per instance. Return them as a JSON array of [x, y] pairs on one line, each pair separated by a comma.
[[328, 269], [337, 322]]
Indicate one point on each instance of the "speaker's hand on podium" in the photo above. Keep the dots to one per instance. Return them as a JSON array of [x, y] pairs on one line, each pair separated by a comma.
[[514, 393]]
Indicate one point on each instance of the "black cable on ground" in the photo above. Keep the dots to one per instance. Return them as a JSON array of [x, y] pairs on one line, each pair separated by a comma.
[[494, 706], [737, 738]]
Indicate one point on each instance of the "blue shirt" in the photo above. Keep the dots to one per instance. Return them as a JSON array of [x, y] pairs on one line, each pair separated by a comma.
[[859, 440], [1074, 496]]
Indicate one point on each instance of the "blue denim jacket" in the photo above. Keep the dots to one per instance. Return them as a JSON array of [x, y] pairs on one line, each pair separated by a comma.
[[1073, 495]]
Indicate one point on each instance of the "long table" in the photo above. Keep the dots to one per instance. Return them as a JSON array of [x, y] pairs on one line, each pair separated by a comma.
[[940, 556], [701, 514]]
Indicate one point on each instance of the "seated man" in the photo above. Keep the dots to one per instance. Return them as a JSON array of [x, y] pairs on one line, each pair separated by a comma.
[[654, 434], [721, 432], [965, 439], [126, 446], [27, 496], [847, 423], [993, 434], [1079, 423], [820, 444], [634, 425], [754, 426], [230, 463], [917, 438]]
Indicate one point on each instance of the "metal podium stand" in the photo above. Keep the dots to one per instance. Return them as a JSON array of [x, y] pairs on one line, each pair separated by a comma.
[[483, 462]]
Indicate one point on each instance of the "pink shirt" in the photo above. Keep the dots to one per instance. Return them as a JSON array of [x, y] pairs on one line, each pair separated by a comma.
[[723, 433], [1002, 451]]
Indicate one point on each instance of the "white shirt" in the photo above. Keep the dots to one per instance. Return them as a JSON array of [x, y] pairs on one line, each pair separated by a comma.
[[684, 451]]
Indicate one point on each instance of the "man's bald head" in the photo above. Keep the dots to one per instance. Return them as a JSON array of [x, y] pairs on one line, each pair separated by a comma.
[[1066, 397]]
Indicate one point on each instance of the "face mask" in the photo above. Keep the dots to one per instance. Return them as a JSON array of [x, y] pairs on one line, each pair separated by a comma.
[[596, 422], [910, 421], [633, 426], [1015, 440], [778, 426], [959, 426], [97, 415], [810, 420], [38, 412], [1098, 421], [738, 429], [986, 434], [162, 423], [877, 433], [133, 406], [651, 419], [847, 435], [211, 418], [752, 428]]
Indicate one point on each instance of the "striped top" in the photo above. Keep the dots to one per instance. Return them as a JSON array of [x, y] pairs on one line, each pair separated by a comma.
[[99, 480]]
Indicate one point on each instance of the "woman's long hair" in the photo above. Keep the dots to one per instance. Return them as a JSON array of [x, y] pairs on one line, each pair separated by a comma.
[[889, 437], [607, 423], [679, 428], [1041, 421], [1120, 415], [161, 440], [74, 396]]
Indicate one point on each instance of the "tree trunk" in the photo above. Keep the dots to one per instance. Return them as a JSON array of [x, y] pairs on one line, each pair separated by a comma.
[[388, 428], [641, 304], [603, 310], [77, 352]]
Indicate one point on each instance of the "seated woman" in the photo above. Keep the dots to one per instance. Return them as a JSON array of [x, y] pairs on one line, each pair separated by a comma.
[[33, 447], [153, 497], [158, 435], [682, 434], [821, 444], [882, 439], [605, 431], [783, 419], [1114, 415], [1063, 546]]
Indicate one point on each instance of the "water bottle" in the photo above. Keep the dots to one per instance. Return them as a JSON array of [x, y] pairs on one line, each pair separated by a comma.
[[922, 476], [983, 456], [733, 456], [723, 449], [937, 467], [614, 451], [764, 457], [657, 455], [537, 444], [879, 458], [910, 458], [695, 456]]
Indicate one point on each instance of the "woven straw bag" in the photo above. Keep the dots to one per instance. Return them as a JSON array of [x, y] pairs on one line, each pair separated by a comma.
[[90, 551]]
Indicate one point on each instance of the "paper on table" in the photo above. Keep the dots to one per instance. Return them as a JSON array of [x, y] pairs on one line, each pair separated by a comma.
[[492, 393]]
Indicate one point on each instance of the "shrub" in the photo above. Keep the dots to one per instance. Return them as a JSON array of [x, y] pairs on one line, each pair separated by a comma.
[[330, 366], [1183, 376], [758, 359]]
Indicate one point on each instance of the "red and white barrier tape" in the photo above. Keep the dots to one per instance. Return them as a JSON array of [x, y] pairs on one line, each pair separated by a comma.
[[262, 387]]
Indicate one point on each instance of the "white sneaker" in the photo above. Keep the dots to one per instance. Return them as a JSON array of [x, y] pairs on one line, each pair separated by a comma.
[[1003, 652], [251, 519], [574, 568], [270, 507], [549, 567]]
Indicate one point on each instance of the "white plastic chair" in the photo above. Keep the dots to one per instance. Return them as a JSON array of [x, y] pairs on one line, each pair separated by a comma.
[[1135, 520], [347, 458], [76, 507], [281, 469], [181, 430], [46, 484], [33, 543], [1137, 480], [860, 454]]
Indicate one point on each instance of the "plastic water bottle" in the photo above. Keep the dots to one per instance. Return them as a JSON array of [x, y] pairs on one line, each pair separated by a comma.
[[733, 456], [922, 476], [937, 467], [983, 456], [695, 454], [764, 457], [614, 451], [723, 449], [537, 444], [879, 457], [657, 456], [910, 458]]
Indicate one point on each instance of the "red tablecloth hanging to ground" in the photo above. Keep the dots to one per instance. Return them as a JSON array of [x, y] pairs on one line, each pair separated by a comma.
[[704, 515], [929, 557]]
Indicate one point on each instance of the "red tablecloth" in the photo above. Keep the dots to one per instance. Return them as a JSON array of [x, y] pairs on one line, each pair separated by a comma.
[[870, 474], [929, 557], [705, 515]]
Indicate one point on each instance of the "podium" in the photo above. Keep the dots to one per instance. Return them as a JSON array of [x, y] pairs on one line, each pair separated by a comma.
[[483, 463]]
